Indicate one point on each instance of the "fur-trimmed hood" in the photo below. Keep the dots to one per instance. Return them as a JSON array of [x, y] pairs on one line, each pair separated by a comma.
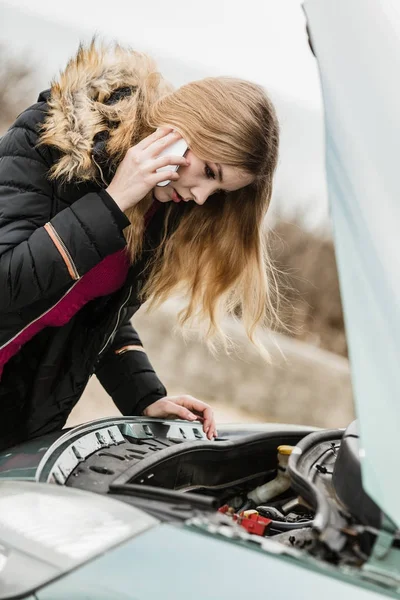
[[97, 108]]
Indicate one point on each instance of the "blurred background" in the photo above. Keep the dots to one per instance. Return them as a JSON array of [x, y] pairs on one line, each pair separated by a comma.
[[308, 380]]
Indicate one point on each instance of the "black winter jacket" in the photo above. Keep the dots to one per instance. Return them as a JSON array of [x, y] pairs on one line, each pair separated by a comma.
[[41, 384]]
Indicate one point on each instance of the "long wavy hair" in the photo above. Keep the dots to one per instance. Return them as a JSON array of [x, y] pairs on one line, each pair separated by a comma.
[[216, 254]]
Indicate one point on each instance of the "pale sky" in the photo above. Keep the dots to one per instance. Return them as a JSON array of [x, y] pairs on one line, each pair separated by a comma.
[[263, 40], [260, 40]]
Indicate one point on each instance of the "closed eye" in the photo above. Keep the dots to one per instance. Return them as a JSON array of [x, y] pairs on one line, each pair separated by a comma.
[[209, 173]]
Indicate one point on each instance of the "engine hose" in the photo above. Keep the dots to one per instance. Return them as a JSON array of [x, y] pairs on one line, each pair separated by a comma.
[[271, 513], [285, 526]]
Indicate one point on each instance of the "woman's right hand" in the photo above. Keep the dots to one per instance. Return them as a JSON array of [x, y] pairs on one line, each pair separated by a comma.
[[137, 173]]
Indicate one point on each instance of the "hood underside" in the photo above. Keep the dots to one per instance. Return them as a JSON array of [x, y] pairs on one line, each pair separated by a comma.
[[357, 45]]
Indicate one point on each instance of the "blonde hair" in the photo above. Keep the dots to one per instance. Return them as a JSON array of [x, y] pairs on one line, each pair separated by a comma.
[[217, 255]]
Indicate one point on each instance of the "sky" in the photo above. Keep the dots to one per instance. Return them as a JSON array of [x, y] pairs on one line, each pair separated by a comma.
[[260, 40]]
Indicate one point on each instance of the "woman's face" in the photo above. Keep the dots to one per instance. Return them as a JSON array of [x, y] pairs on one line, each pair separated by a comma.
[[200, 179]]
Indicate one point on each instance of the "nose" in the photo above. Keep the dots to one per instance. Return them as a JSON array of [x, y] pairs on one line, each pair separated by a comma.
[[200, 194], [200, 199]]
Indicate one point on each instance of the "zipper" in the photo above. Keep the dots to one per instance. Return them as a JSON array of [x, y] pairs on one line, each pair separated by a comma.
[[117, 321], [63, 250], [39, 317]]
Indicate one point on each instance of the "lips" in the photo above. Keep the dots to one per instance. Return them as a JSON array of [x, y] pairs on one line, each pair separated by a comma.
[[176, 197]]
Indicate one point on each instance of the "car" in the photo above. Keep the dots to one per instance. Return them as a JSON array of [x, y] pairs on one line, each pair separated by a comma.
[[138, 508]]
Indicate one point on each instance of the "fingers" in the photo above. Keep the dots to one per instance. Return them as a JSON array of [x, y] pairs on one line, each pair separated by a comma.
[[161, 146], [205, 410], [163, 161], [163, 176], [156, 135], [211, 431], [209, 427], [148, 162], [173, 409], [184, 407], [167, 408], [149, 172], [155, 142]]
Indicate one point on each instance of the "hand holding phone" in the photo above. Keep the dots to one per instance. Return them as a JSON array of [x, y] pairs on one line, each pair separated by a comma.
[[178, 148], [138, 172]]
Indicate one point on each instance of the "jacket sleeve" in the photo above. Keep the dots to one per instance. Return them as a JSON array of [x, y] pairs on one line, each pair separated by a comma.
[[41, 256], [126, 373]]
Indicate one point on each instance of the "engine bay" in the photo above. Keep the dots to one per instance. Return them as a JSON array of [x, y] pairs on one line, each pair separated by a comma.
[[297, 487]]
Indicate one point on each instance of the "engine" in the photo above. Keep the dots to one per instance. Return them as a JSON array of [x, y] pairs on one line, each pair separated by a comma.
[[291, 485]]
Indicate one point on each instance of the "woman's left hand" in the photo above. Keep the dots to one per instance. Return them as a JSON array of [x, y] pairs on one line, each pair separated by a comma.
[[184, 407]]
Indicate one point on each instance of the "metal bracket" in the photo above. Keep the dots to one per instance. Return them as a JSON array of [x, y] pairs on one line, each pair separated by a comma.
[[140, 431], [383, 566]]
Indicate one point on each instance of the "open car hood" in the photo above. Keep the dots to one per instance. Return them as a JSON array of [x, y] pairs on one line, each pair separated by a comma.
[[357, 45]]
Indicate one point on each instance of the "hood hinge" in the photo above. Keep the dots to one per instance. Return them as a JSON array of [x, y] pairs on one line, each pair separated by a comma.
[[383, 566]]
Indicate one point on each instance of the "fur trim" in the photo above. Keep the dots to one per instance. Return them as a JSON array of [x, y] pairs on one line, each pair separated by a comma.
[[78, 109]]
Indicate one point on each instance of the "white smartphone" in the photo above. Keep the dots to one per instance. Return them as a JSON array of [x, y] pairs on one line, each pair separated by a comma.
[[178, 148]]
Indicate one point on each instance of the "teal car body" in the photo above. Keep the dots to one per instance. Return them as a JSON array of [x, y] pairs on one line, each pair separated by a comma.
[[127, 508]]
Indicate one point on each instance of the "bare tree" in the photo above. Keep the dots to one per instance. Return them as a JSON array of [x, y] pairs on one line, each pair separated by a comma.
[[15, 87], [311, 306]]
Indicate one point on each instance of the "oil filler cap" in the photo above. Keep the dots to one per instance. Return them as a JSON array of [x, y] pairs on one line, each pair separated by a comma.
[[286, 450]]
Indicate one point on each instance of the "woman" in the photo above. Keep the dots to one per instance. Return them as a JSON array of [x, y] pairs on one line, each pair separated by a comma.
[[86, 235]]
